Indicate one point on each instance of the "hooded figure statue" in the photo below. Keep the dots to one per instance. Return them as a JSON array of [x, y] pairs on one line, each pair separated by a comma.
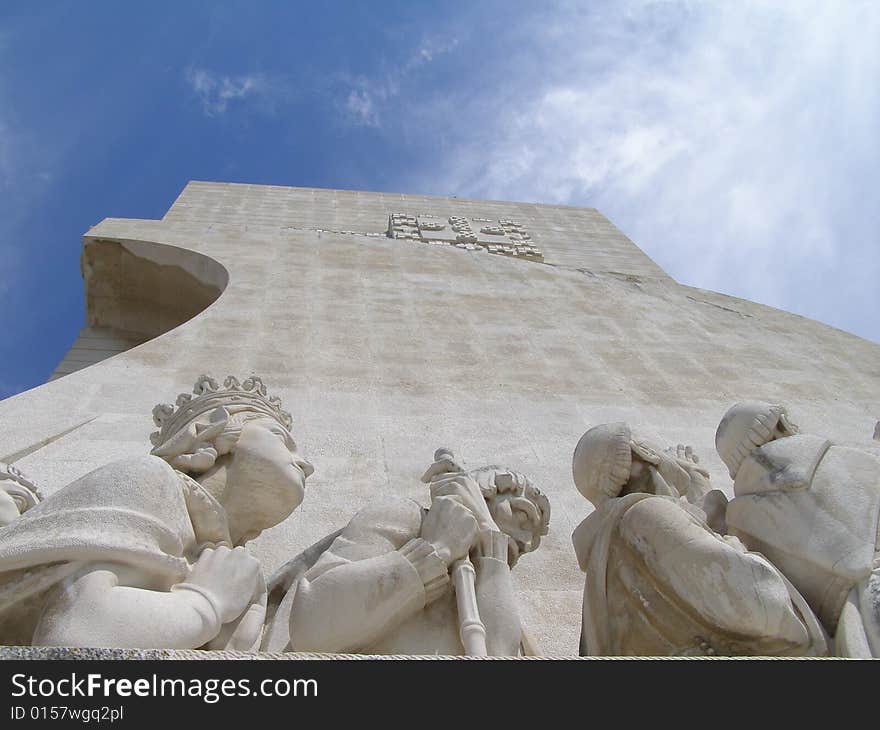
[[812, 507], [659, 580]]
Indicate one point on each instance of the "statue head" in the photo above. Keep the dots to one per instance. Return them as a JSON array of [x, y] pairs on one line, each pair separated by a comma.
[[748, 425], [518, 507], [602, 461], [236, 441], [17, 493], [610, 462]]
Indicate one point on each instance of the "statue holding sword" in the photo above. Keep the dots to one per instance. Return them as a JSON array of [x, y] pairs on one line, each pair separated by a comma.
[[403, 579]]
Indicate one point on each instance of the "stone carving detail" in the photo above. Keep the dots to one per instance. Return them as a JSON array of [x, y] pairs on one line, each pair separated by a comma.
[[492, 230], [17, 493], [401, 579], [659, 579], [208, 395], [404, 226], [812, 507], [148, 552], [504, 237]]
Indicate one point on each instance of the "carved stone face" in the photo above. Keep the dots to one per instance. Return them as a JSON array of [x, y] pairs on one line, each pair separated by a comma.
[[519, 518], [640, 480], [265, 479], [8, 508]]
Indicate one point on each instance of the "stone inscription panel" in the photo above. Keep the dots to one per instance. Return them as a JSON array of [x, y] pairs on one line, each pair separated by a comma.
[[502, 236]]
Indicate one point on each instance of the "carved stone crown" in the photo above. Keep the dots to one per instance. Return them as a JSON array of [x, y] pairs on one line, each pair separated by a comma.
[[207, 396], [11, 473]]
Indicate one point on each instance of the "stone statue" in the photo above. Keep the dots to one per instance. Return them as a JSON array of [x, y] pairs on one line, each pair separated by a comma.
[[812, 507], [659, 579], [147, 552], [397, 577], [17, 493]]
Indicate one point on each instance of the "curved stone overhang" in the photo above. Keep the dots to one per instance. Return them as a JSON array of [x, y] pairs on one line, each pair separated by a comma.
[[135, 291]]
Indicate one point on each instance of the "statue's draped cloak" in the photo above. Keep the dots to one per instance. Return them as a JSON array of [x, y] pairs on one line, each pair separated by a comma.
[[813, 508], [139, 512], [636, 604]]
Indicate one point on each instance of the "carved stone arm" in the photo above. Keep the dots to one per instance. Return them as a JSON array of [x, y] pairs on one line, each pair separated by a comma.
[[496, 598], [737, 592], [354, 604], [91, 609]]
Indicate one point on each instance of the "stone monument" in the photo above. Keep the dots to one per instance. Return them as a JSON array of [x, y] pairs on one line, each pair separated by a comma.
[[388, 325]]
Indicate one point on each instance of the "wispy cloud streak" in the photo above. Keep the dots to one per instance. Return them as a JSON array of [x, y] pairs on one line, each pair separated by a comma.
[[368, 97], [216, 92]]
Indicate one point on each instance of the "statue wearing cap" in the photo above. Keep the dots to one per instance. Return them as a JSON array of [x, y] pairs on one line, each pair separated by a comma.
[[148, 552], [812, 507], [659, 580]]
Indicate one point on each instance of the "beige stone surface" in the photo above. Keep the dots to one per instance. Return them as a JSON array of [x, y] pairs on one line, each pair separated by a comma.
[[384, 348]]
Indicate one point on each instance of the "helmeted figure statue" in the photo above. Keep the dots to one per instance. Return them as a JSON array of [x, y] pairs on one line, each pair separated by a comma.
[[811, 507], [659, 580], [147, 552], [398, 578]]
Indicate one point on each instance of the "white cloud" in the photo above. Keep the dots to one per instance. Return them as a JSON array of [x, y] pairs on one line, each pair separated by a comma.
[[430, 48], [217, 91], [735, 142], [361, 107], [367, 98]]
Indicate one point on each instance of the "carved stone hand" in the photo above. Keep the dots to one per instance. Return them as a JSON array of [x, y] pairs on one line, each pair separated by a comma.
[[679, 466], [227, 578], [464, 489], [445, 464], [451, 529]]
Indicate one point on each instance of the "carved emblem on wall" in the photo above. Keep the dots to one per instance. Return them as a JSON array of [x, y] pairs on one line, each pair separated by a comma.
[[505, 237]]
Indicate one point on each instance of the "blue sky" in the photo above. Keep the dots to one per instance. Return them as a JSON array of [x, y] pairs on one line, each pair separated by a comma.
[[737, 143]]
